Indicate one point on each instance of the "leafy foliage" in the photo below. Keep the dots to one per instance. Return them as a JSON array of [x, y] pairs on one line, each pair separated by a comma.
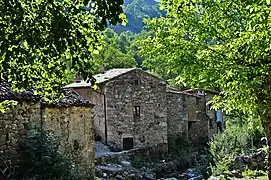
[[43, 41], [237, 139], [41, 159], [115, 51], [7, 105], [255, 173], [120, 51], [219, 45], [136, 11]]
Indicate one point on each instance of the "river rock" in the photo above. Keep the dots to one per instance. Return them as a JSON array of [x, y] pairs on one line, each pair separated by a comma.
[[214, 178], [119, 177], [149, 175], [171, 178], [253, 162], [126, 164], [110, 169]]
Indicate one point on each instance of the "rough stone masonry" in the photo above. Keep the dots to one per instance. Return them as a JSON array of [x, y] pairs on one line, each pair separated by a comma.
[[134, 109], [71, 118], [131, 108]]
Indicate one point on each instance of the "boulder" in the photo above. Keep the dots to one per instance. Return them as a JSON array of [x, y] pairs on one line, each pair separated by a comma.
[[149, 175], [126, 164]]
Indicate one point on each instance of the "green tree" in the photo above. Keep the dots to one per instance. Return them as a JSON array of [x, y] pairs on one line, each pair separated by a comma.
[[221, 45], [41, 42], [136, 11], [115, 51]]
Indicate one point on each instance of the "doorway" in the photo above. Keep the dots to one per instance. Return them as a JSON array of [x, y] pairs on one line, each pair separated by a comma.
[[128, 143]]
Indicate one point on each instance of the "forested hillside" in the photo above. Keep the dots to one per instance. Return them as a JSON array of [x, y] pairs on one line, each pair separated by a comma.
[[136, 11]]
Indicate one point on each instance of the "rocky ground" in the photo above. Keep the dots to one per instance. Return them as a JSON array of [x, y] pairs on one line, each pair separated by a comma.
[[125, 168], [245, 178], [254, 162], [121, 166], [102, 150], [163, 171]]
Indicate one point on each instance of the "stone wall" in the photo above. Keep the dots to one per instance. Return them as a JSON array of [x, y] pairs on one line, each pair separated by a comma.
[[72, 124], [198, 129], [136, 110], [97, 98], [212, 123], [208, 96], [74, 127], [14, 126], [177, 118], [187, 118]]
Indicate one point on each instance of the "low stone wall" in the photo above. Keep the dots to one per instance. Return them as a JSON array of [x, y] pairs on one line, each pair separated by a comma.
[[74, 127], [14, 126]]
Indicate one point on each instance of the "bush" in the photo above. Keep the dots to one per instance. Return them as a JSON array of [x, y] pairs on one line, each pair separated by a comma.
[[239, 138], [41, 159], [254, 173]]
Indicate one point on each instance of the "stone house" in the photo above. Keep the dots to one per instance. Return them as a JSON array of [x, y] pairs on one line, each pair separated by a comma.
[[70, 117], [208, 96], [131, 108], [187, 119]]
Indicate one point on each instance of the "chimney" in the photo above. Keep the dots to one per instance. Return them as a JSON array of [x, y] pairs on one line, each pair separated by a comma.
[[101, 69], [78, 77]]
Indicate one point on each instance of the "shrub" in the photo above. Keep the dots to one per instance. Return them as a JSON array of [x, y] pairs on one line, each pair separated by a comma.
[[239, 138], [41, 159], [254, 173]]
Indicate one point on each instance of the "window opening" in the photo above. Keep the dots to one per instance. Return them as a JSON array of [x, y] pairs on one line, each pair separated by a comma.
[[136, 111], [136, 82], [128, 143]]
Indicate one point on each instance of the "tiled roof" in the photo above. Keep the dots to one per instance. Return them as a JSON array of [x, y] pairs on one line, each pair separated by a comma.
[[110, 74], [71, 98], [176, 91], [201, 89], [102, 77], [6, 93]]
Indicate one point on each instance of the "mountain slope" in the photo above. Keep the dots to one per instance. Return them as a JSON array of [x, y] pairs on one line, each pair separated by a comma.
[[136, 11]]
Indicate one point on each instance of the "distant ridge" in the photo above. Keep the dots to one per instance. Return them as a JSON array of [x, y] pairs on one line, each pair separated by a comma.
[[135, 11]]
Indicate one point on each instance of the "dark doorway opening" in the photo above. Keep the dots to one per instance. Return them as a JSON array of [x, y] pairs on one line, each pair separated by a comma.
[[128, 143]]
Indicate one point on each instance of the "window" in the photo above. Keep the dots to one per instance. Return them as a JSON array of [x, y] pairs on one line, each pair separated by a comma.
[[7, 137], [136, 111], [136, 82], [75, 145]]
